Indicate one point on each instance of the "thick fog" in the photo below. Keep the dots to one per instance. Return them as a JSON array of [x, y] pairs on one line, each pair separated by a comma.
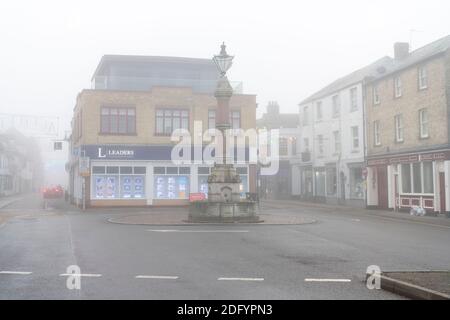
[[285, 50]]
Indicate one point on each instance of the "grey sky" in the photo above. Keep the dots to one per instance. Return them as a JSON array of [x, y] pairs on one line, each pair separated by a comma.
[[285, 50]]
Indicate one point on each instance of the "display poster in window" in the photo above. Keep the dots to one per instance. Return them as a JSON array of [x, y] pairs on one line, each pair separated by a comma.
[[182, 187], [161, 187], [100, 187], [138, 187], [126, 187], [171, 188], [111, 187], [203, 185]]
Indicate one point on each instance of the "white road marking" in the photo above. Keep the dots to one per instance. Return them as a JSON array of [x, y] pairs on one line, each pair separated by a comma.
[[92, 275], [157, 277], [25, 273], [356, 220], [327, 280], [201, 231], [240, 279]]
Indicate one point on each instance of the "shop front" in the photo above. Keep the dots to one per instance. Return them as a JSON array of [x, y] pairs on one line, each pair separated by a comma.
[[402, 182], [145, 176]]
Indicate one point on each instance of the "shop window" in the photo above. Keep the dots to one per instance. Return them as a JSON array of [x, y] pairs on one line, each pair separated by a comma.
[[159, 170], [185, 170], [132, 187], [126, 170], [172, 170], [320, 182], [106, 187], [406, 178], [171, 186], [331, 181], [139, 170], [98, 170], [203, 170], [356, 183], [112, 170], [118, 183], [417, 178], [428, 177]]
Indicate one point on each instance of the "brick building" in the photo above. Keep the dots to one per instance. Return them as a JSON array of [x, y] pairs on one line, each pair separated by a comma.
[[407, 124], [124, 126]]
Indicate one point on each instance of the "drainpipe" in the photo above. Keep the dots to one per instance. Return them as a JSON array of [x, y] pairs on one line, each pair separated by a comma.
[[364, 105]]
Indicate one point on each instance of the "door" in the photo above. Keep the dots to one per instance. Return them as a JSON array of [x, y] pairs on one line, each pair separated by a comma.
[[383, 202], [442, 191]]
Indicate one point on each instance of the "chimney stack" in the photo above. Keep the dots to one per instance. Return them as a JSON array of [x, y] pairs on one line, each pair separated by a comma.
[[401, 50]]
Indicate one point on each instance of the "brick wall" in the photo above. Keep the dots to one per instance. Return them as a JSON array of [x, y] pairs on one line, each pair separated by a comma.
[[412, 100], [91, 101]]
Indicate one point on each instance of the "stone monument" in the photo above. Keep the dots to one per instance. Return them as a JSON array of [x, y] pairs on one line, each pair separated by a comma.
[[224, 203]]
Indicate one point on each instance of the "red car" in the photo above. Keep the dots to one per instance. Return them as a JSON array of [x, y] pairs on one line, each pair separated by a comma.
[[53, 192]]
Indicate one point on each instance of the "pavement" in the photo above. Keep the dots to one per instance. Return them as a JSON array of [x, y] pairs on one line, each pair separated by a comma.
[[323, 260]]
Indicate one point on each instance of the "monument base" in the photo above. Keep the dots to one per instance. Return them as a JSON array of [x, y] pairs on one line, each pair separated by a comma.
[[223, 212]]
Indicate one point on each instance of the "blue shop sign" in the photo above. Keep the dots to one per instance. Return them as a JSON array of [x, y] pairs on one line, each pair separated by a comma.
[[135, 152]]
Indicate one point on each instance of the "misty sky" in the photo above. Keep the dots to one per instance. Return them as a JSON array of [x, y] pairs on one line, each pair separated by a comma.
[[285, 50]]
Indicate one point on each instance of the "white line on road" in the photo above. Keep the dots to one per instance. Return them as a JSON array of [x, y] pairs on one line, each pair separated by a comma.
[[240, 279], [356, 220], [201, 231], [92, 275], [157, 277], [25, 273], [327, 280]]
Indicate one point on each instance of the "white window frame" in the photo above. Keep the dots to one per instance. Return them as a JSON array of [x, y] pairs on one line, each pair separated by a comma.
[[376, 133], [376, 95], [355, 138], [398, 92], [411, 172], [399, 130], [422, 75], [424, 123], [336, 102]]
